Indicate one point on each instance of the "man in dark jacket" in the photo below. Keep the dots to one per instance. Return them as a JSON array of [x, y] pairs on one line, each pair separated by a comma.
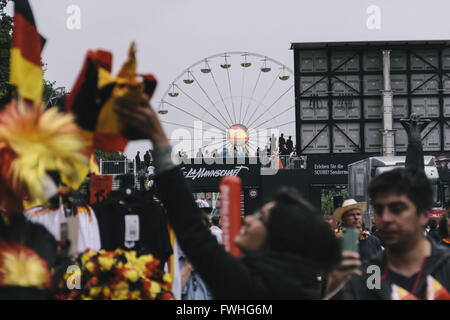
[[402, 200], [432, 232], [147, 159], [138, 161], [285, 244], [436, 265], [281, 141], [289, 145], [350, 215]]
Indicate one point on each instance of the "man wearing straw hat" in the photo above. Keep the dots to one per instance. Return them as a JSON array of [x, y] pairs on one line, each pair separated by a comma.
[[350, 216]]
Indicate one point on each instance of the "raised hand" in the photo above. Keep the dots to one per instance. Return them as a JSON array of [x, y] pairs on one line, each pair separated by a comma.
[[338, 277], [143, 118]]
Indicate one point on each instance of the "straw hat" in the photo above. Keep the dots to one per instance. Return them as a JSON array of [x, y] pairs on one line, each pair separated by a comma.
[[348, 204]]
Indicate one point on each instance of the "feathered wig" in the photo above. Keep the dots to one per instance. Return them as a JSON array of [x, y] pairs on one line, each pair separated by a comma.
[[23, 267], [34, 143]]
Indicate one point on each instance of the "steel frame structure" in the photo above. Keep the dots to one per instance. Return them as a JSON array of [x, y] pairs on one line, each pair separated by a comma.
[[409, 47]]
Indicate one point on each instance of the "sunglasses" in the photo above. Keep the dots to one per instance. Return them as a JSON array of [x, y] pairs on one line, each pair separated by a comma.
[[396, 207]]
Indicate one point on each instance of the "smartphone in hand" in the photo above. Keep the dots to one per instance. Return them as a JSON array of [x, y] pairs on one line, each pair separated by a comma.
[[350, 239]]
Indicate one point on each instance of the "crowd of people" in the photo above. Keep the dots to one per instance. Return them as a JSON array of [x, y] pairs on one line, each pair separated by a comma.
[[143, 165], [145, 171], [157, 242], [288, 250], [283, 148], [286, 243]]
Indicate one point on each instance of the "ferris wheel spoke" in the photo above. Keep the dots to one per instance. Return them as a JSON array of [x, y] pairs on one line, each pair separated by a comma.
[[231, 93], [230, 146], [252, 143], [192, 115], [183, 125], [242, 93], [207, 145], [218, 90], [262, 100], [250, 150], [176, 124], [193, 100], [276, 116], [210, 100], [175, 139], [281, 125], [265, 111], [253, 147], [253, 94]]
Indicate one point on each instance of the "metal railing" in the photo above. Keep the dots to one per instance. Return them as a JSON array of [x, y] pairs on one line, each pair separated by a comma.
[[114, 167], [117, 168], [294, 162], [287, 162], [120, 167]]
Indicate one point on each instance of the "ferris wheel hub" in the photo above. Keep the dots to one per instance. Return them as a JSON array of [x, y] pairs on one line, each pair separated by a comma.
[[238, 134]]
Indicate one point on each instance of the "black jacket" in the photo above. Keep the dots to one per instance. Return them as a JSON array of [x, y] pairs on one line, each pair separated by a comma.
[[444, 244], [153, 233], [437, 265], [147, 159], [265, 275], [433, 234], [369, 247]]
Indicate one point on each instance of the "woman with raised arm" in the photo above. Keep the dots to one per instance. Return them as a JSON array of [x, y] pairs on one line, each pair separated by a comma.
[[285, 244]]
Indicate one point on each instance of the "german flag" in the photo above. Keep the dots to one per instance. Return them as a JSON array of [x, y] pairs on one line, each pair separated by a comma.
[[95, 94], [399, 293], [435, 290], [26, 72]]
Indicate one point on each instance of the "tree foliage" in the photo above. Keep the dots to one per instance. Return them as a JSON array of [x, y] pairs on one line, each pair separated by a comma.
[[6, 25], [327, 201], [5, 45], [108, 156]]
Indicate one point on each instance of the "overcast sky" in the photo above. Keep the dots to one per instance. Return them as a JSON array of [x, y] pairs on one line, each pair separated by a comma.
[[173, 34]]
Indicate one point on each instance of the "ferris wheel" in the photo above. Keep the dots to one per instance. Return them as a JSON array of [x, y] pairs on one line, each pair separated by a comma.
[[232, 100]]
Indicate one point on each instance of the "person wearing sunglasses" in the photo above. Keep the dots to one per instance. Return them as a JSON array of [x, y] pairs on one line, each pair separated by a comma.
[[402, 201], [285, 244]]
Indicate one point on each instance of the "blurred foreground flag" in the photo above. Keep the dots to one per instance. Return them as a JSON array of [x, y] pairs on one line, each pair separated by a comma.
[[435, 290], [26, 72], [97, 91], [398, 293]]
